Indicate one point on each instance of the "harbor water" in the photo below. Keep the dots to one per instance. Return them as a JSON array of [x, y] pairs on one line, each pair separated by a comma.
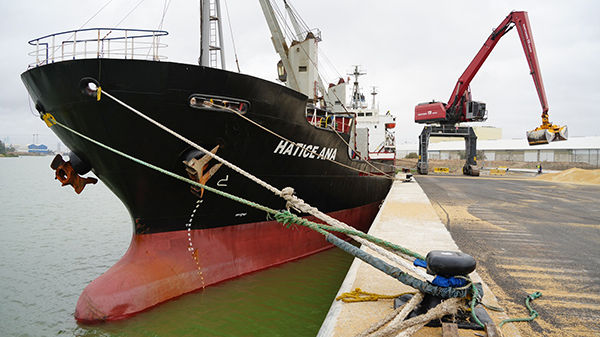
[[53, 242]]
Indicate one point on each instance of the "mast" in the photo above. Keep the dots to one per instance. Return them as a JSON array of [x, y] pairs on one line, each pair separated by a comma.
[[212, 53], [357, 97], [374, 94]]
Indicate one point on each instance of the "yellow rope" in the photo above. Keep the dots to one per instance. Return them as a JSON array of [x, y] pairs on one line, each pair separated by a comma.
[[357, 295]]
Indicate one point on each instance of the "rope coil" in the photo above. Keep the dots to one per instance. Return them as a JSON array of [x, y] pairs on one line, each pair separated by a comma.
[[358, 295]]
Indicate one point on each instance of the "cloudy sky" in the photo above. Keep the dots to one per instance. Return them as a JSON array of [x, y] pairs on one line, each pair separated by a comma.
[[413, 51]]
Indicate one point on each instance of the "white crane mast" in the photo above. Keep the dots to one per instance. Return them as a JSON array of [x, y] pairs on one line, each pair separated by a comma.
[[212, 53]]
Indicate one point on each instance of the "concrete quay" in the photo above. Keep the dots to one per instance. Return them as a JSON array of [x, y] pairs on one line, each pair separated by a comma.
[[406, 218]]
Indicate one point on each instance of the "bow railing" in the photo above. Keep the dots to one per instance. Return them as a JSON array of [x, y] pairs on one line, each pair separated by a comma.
[[98, 43]]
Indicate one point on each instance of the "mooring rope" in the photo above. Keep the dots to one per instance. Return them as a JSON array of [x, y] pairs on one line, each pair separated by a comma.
[[385, 175], [410, 326], [390, 251], [397, 315], [358, 295], [194, 145], [288, 218], [288, 195], [423, 286], [396, 323]]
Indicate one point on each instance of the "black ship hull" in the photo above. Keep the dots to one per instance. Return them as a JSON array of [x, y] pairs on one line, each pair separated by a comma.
[[166, 213]]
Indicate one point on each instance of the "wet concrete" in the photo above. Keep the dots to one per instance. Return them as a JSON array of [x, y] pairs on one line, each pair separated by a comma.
[[529, 235]]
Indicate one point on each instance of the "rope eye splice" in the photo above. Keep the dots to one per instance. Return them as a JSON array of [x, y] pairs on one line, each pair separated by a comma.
[[451, 269], [451, 297]]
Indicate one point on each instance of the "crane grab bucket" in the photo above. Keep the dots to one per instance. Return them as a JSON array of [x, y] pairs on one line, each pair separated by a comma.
[[545, 134]]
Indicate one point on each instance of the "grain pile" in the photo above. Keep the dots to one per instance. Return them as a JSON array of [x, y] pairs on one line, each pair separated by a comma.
[[574, 175]]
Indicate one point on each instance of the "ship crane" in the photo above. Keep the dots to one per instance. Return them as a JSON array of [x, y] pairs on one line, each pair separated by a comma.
[[442, 119]]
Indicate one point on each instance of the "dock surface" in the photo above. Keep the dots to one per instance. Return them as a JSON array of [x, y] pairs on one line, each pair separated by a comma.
[[408, 219], [529, 235]]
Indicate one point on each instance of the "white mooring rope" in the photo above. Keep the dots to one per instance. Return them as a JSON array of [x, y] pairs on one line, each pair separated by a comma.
[[288, 195]]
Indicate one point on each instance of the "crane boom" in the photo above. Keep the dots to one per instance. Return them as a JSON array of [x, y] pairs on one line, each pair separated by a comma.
[[521, 21], [460, 106], [278, 40]]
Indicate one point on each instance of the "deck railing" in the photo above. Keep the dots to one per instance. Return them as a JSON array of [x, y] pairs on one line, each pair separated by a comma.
[[341, 121], [98, 43]]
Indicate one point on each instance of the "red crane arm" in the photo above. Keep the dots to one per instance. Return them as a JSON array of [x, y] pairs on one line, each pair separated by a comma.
[[521, 21], [524, 29]]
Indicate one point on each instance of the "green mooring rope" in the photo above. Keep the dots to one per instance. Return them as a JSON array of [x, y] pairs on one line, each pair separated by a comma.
[[287, 218], [473, 302], [532, 312], [171, 174]]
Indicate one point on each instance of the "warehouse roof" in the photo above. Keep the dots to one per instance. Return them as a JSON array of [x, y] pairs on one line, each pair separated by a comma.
[[573, 143]]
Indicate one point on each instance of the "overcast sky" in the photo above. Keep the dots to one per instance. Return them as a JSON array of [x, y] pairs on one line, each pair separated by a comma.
[[413, 51]]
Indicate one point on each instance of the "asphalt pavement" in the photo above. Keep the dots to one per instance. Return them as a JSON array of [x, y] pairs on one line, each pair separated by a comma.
[[528, 235]]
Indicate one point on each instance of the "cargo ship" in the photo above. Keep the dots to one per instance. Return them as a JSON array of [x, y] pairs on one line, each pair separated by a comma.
[[91, 81]]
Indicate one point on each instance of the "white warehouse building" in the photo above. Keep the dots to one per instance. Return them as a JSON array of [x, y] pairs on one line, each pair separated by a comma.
[[575, 149]]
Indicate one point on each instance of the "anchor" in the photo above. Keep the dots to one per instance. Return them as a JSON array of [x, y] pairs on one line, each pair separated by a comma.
[[66, 174], [196, 169]]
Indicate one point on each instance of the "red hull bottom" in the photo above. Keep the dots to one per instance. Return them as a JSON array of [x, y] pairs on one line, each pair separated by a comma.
[[162, 266]]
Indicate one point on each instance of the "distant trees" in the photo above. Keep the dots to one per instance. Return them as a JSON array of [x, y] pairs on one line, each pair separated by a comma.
[[479, 154], [412, 155], [4, 150]]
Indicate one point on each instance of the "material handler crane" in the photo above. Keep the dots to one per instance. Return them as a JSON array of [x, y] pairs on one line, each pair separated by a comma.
[[442, 118]]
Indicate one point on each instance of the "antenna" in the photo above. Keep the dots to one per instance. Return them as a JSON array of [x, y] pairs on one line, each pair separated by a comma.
[[373, 93], [356, 95]]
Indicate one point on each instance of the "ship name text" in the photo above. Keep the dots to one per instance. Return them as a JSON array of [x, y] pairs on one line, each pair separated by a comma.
[[304, 150]]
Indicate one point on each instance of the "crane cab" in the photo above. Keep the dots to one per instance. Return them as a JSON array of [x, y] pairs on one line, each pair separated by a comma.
[[476, 111]]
